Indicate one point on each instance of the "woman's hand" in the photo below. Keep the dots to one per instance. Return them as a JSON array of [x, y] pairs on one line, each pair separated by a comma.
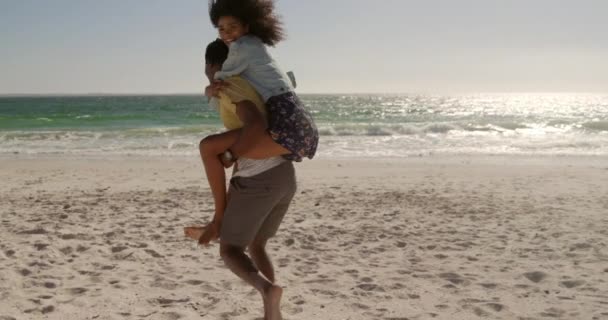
[[227, 163], [212, 232]]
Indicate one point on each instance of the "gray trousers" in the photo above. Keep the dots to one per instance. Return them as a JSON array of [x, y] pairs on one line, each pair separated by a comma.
[[257, 205]]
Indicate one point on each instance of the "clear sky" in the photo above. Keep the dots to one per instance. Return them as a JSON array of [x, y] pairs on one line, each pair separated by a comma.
[[333, 46]]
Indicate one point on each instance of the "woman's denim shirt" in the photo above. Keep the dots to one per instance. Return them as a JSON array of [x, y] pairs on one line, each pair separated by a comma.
[[249, 57]]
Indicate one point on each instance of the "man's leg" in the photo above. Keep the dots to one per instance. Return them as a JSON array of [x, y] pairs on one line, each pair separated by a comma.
[[270, 226], [257, 251], [239, 263], [251, 217]]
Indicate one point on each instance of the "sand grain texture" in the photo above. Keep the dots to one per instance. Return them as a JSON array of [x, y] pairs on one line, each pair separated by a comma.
[[420, 238]]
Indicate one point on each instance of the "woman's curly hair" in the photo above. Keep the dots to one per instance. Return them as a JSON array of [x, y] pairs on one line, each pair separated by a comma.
[[258, 15]]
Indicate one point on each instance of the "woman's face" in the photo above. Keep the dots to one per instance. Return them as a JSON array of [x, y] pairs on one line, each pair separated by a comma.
[[230, 29]]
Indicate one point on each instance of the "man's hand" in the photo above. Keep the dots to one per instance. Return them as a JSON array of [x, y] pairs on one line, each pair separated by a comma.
[[213, 90], [212, 232]]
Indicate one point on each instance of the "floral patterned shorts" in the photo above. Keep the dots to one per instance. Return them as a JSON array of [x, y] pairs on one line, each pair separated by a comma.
[[291, 126]]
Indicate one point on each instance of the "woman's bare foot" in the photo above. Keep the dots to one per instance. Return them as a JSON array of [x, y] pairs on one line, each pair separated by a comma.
[[272, 303], [194, 233]]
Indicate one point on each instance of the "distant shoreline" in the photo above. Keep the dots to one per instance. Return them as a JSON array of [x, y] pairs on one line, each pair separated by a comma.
[[58, 95]]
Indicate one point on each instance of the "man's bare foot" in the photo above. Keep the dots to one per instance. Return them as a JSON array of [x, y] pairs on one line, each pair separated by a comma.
[[194, 233], [272, 303]]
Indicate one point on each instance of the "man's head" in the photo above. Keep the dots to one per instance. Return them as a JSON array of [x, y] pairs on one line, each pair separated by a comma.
[[215, 55]]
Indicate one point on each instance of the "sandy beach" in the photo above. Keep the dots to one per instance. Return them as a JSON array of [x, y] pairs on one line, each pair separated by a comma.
[[509, 237]]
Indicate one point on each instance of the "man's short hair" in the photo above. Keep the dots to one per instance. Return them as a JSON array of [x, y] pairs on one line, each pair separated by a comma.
[[216, 53]]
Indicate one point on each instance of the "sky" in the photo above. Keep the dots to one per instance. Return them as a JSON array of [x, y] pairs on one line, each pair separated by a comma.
[[333, 46]]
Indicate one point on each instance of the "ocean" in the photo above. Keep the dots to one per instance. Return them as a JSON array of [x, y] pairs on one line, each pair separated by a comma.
[[362, 125]]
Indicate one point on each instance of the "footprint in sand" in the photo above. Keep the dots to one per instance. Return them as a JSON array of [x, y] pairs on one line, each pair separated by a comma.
[[118, 249], [160, 282], [66, 250], [164, 302], [535, 276], [25, 273], [153, 253], [360, 306], [454, 278], [553, 313], [171, 316], [44, 310], [480, 312], [70, 236], [40, 246], [489, 285], [572, 283], [580, 246], [209, 301], [292, 310], [231, 315], [33, 231], [497, 307], [370, 287], [77, 291], [47, 309]]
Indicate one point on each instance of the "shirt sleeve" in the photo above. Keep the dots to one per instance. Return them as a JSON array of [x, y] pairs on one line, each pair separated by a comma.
[[214, 103], [236, 62]]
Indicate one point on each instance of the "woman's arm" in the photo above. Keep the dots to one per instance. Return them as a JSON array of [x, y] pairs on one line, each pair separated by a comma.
[[236, 63]]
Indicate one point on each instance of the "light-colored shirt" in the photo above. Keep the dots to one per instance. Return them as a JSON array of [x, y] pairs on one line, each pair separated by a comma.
[[250, 167], [249, 57], [238, 90]]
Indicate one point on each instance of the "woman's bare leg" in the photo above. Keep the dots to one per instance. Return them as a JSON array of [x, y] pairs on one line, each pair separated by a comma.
[[211, 148]]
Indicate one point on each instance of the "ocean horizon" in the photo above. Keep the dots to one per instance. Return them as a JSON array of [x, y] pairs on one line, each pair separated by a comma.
[[351, 125]]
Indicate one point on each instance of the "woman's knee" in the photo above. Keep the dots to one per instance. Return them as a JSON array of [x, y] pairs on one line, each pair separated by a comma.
[[202, 145], [206, 146]]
